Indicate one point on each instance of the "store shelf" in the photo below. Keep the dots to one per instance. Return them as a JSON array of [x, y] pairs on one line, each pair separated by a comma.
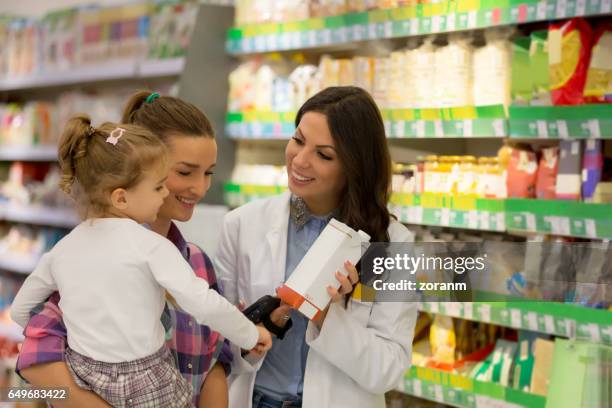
[[17, 264], [561, 122], [115, 70], [567, 320], [41, 153], [462, 391], [556, 217], [39, 215], [445, 16], [11, 331], [553, 122]]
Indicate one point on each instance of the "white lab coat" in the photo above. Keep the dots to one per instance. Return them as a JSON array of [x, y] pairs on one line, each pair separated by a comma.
[[359, 354]]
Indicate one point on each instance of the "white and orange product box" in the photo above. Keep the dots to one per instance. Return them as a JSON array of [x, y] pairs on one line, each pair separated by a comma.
[[306, 288]]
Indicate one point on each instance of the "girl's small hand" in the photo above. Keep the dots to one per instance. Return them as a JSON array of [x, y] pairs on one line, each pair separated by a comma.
[[264, 343]]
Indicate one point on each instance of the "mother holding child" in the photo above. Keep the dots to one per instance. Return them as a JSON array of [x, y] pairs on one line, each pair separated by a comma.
[[102, 336]]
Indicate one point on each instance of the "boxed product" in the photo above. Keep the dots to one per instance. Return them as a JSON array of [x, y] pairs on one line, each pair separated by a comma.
[[570, 167], [592, 168], [569, 53], [521, 179], [598, 86], [539, 67], [522, 78], [306, 288], [546, 179], [543, 358]]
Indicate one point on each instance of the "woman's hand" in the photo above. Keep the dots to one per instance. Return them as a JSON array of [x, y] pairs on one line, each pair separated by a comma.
[[347, 282], [281, 315]]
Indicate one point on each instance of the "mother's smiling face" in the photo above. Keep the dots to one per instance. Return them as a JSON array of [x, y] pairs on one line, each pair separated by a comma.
[[192, 163]]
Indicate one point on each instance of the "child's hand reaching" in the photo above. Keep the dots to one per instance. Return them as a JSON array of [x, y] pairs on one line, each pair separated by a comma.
[[264, 343]]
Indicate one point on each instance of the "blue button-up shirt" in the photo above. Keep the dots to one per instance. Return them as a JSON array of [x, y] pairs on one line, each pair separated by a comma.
[[282, 374]]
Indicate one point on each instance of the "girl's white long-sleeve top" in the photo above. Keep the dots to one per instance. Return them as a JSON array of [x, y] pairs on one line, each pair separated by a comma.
[[111, 274]]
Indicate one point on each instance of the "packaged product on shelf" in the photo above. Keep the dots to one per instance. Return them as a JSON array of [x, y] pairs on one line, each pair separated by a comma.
[[593, 274], [423, 59], [492, 69], [330, 71], [324, 8], [4, 38], [598, 86], [397, 93], [540, 71], [546, 179], [570, 169], [543, 358], [443, 340], [522, 169], [524, 360], [305, 81], [467, 176], [569, 45], [290, 10], [500, 364], [59, 30], [271, 71], [592, 168], [382, 81], [22, 47], [453, 72], [364, 72], [346, 72], [522, 78], [171, 26], [242, 88]]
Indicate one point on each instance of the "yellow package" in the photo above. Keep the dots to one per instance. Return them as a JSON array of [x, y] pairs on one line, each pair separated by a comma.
[[442, 339], [598, 86]]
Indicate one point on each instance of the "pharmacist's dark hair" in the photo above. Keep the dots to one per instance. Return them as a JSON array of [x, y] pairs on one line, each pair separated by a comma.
[[357, 128], [166, 116]]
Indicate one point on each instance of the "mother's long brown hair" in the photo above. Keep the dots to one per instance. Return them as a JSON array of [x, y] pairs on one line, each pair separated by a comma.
[[357, 128]]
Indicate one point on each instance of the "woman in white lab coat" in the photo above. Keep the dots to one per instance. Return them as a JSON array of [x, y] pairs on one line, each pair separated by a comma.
[[339, 166]]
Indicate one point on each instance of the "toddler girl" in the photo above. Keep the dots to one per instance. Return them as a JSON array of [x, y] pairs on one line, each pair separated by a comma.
[[110, 264]]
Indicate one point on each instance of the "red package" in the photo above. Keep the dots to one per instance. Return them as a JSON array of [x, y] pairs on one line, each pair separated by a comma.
[[521, 178], [598, 87], [546, 179], [569, 55]]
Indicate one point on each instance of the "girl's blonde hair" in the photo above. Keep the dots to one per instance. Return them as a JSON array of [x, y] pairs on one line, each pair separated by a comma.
[[96, 167]]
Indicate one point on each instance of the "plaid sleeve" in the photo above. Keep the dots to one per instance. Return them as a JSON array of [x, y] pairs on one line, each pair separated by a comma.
[[45, 336], [204, 268]]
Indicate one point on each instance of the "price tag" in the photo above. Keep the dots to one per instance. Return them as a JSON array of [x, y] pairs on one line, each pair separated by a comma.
[[372, 31], [499, 128], [580, 8], [485, 313], [357, 32], [451, 21], [439, 128], [342, 34], [417, 388], [326, 36], [542, 129], [594, 332], [530, 220], [549, 324], [593, 125], [485, 221], [472, 19], [414, 26], [541, 11], [468, 311], [445, 217], [473, 219], [439, 395], [296, 39], [468, 130], [564, 226], [399, 128], [561, 8], [434, 307], [245, 44], [570, 328], [562, 129], [419, 128], [418, 214], [285, 41], [388, 29], [501, 222], [532, 321], [453, 309], [435, 24], [591, 228], [515, 318], [312, 38]]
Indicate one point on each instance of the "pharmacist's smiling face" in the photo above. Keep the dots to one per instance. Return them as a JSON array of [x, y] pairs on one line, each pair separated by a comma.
[[314, 169], [192, 160]]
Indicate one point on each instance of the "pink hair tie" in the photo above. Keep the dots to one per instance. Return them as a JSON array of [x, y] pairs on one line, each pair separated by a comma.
[[115, 135]]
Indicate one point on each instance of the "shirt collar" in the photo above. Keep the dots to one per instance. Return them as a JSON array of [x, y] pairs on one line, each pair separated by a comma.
[[300, 214], [175, 236]]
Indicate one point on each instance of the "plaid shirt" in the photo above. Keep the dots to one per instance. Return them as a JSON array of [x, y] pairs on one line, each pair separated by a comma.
[[195, 347]]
